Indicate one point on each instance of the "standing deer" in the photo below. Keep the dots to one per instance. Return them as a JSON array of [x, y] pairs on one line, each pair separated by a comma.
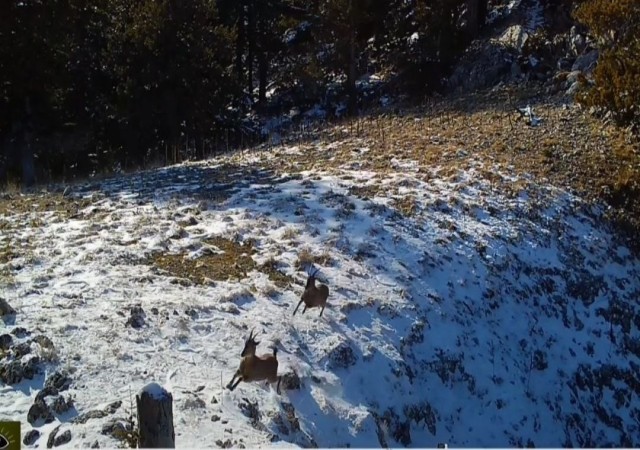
[[256, 368], [313, 296]]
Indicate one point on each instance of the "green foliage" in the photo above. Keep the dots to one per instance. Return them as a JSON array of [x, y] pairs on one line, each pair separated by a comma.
[[616, 27]]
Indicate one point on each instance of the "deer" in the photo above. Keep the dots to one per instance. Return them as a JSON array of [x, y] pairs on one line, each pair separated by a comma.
[[256, 368], [313, 296]]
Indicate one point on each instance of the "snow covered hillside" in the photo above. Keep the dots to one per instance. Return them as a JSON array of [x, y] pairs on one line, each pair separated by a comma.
[[472, 306]]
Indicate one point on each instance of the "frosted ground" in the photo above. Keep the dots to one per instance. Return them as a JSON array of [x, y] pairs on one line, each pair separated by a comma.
[[466, 309]]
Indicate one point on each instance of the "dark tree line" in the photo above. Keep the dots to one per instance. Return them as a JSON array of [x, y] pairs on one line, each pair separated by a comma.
[[91, 85]]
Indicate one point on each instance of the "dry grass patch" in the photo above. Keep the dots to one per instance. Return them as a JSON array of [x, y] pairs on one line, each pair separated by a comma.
[[15, 203], [270, 268], [306, 258], [406, 205], [364, 192], [234, 262]]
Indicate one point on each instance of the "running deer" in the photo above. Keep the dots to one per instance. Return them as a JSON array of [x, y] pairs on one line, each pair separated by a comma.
[[256, 368], [313, 296]]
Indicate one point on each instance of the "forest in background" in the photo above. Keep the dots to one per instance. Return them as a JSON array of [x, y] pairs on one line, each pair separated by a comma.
[[91, 86]]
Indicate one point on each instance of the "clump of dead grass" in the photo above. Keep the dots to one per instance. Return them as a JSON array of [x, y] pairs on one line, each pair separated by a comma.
[[233, 263], [270, 268], [306, 259]]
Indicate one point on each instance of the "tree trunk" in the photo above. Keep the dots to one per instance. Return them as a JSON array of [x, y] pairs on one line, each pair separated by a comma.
[[262, 60], [251, 43], [155, 417], [351, 70], [472, 18], [240, 41], [28, 169]]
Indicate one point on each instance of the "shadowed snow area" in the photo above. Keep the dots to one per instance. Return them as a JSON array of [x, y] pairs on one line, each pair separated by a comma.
[[458, 312]]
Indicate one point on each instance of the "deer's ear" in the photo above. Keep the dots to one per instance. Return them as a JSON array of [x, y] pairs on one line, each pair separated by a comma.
[[256, 343]]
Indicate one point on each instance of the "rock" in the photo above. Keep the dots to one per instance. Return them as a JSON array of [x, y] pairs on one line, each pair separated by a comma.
[[290, 381], [224, 444], [215, 418], [573, 89], [39, 411], [540, 360], [52, 436], [47, 391], [61, 404], [55, 440], [93, 414], [31, 437], [577, 41], [59, 380], [483, 64], [64, 438], [564, 64], [116, 428], [194, 403], [573, 76], [111, 408], [15, 371], [586, 63], [5, 309], [136, 318], [20, 332], [342, 356], [21, 350], [402, 433], [515, 36], [43, 341], [5, 341]]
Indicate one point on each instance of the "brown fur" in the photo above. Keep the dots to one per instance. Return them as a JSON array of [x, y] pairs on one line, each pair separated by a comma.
[[256, 368], [313, 296]]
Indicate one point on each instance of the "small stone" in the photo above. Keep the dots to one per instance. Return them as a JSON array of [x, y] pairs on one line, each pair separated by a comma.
[[215, 418], [6, 309], [20, 332], [52, 436], [39, 411], [43, 341], [64, 438], [46, 391], [21, 350], [113, 407], [31, 437], [15, 371], [93, 414], [136, 318], [290, 381], [5, 341], [61, 405], [59, 380], [214, 400]]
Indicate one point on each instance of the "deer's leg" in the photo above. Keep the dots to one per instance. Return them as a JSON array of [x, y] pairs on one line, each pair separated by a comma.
[[231, 388], [232, 379], [296, 310], [278, 387], [304, 309], [322, 310]]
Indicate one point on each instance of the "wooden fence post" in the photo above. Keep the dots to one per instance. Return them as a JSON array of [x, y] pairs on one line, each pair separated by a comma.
[[155, 417]]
